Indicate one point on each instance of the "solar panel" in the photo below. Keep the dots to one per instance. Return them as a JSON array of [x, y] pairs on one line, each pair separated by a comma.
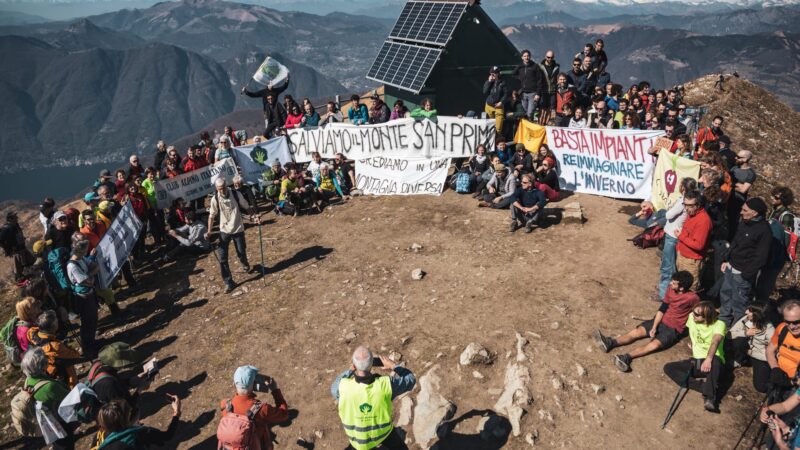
[[428, 22], [404, 66]]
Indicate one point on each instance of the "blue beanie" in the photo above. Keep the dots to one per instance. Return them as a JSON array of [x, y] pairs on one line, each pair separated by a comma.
[[245, 376]]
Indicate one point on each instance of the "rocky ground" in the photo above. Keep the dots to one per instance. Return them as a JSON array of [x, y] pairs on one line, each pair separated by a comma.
[[525, 305]]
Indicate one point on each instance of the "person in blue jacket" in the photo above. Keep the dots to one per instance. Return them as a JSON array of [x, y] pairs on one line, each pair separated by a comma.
[[358, 113]]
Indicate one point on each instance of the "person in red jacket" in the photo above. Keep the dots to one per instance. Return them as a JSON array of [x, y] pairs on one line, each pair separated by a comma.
[[693, 236], [245, 379], [564, 93], [710, 134], [294, 118]]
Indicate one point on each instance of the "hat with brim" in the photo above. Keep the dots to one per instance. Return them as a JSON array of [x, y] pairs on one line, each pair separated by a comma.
[[118, 355]]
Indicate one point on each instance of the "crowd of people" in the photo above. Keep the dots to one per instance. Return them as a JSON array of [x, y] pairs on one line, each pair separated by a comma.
[[722, 253]]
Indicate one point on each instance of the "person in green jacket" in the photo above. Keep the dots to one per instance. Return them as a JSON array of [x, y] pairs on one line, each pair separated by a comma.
[[50, 392], [425, 111]]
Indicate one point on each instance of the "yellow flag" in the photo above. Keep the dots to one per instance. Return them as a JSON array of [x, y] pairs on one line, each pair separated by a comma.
[[531, 134], [670, 171]]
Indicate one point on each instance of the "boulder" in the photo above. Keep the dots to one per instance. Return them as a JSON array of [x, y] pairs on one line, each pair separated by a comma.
[[417, 274], [405, 413], [432, 409], [515, 397], [572, 214], [475, 354], [521, 343]]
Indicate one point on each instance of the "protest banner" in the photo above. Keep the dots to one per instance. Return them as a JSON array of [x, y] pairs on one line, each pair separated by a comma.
[[117, 244], [532, 135], [194, 184], [254, 159], [448, 137], [612, 163], [401, 176], [670, 171]]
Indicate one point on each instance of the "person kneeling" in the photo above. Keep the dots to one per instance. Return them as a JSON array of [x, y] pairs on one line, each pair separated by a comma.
[[528, 204], [190, 237], [663, 330], [708, 357]]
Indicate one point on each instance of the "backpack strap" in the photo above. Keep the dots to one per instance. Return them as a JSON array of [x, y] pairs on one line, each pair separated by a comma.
[[251, 413], [782, 336], [228, 406], [95, 374], [33, 390]]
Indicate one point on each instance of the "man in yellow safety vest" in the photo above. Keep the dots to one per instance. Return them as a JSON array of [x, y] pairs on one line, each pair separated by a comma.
[[365, 401]]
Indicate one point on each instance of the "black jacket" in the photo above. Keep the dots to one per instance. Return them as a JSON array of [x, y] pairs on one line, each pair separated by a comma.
[[274, 117], [552, 75], [531, 78], [495, 91], [749, 250]]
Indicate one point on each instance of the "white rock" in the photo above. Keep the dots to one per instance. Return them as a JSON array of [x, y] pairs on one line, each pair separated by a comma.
[[580, 369], [521, 343], [516, 396], [417, 274], [554, 325], [405, 413], [432, 409], [545, 415], [477, 374], [557, 383], [396, 356], [532, 437], [415, 247], [319, 434], [618, 397], [598, 389], [475, 353]]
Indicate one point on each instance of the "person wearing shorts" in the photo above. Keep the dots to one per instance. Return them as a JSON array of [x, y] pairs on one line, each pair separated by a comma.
[[666, 328]]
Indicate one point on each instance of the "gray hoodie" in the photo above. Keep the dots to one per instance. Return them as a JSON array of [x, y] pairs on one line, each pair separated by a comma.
[[506, 189]]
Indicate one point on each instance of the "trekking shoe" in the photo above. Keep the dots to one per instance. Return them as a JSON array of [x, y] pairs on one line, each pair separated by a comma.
[[604, 342], [709, 405], [513, 226], [529, 226], [484, 204], [623, 362], [230, 287]]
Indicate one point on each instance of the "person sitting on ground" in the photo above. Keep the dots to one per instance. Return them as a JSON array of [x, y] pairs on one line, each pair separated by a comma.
[[28, 310], [121, 431], [176, 215], [567, 113], [578, 120], [546, 174], [370, 427], [332, 115], [245, 402], [358, 114], [190, 237], [750, 337], [326, 187], [47, 390], [478, 164], [664, 330], [61, 359], [486, 175], [291, 194], [707, 334], [528, 205], [425, 111], [345, 174], [522, 161], [780, 430], [379, 112], [499, 192], [271, 180], [399, 110], [314, 164]]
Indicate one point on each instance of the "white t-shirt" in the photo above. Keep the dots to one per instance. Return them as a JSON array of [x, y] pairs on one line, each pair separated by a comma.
[[313, 167]]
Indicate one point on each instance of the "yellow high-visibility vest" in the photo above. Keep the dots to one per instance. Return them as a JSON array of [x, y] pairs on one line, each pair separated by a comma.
[[366, 411]]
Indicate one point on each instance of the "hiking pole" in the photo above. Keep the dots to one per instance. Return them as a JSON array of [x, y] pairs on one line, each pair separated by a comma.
[[749, 424], [683, 388], [254, 213]]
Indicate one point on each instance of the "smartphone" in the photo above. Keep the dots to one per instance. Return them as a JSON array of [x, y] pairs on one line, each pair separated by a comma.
[[377, 362], [151, 369], [262, 383]]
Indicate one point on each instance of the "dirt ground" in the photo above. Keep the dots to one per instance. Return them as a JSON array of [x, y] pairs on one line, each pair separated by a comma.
[[347, 272]]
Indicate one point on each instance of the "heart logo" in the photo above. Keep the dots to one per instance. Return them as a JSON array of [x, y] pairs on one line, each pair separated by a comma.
[[670, 181]]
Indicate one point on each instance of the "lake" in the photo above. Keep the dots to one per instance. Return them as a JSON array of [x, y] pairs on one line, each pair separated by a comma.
[[61, 183]]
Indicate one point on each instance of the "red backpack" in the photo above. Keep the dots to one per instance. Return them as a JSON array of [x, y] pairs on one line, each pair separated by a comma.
[[650, 237], [238, 431]]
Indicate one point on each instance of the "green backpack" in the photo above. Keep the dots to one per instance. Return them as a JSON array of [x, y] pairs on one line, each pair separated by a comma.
[[8, 337]]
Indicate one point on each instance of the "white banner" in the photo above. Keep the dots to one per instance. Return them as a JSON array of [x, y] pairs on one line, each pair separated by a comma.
[[612, 163], [401, 176], [447, 137], [195, 184], [115, 246], [254, 159]]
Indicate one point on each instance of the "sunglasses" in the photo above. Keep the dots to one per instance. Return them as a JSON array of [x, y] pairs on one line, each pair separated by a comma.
[[548, 57], [792, 323]]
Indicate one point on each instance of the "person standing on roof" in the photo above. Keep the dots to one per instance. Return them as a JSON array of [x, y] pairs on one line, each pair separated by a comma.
[[533, 83]]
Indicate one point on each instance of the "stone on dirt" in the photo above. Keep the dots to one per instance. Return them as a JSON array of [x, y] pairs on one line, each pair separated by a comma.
[[475, 354], [405, 413], [516, 396], [417, 274], [432, 409], [521, 343], [572, 214]]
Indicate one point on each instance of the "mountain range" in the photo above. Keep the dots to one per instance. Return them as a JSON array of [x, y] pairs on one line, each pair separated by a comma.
[[98, 88]]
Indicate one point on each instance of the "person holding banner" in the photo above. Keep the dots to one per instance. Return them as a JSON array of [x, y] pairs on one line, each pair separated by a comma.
[[228, 205], [81, 272], [676, 215]]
